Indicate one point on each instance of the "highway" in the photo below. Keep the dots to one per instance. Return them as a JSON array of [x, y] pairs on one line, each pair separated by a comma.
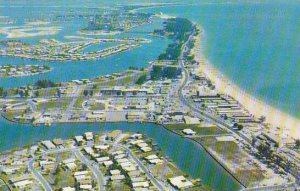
[[206, 116], [38, 176], [202, 114]]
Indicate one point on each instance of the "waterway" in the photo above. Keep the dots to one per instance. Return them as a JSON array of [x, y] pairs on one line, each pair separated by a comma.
[[186, 154], [256, 44]]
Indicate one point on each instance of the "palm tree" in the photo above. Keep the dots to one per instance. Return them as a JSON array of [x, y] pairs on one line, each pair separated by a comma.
[[297, 143]]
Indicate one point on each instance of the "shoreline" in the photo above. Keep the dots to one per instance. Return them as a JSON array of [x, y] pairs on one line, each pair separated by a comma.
[[274, 116], [205, 149]]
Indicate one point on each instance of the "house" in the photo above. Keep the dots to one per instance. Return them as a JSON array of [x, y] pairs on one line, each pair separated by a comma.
[[48, 145], [97, 116], [180, 182], [58, 142], [130, 168], [88, 150], [70, 164], [47, 165], [86, 187], [68, 189], [89, 136], [11, 170], [144, 184], [117, 177], [22, 184], [101, 147], [146, 149], [79, 140], [78, 173], [135, 116], [115, 172], [138, 179], [153, 159], [108, 163], [136, 136], [189, 132], [191, 120], [102, 159]]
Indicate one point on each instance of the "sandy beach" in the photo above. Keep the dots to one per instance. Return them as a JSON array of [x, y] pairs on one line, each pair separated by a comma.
[[28, 31], [289, 127]]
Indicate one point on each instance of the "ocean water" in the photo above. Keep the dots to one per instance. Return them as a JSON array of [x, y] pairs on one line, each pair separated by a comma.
[[256, 44]]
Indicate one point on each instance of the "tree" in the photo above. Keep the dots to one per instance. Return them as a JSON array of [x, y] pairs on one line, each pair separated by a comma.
[[85, 93], [254, 140], [44, 84], [262, 119], [91, 92], [225, 117], [238, 126], [58, 92], [141, 79], [1, 91], [297, 143], [26, 93], [21, 93], [36, 93]]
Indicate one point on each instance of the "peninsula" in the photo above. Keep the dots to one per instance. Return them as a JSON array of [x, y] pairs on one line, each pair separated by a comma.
[[179, 90]]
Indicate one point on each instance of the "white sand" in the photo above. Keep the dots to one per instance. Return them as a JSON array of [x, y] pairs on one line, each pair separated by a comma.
[[37, 22], [28, 31], [289, 126], [99, 33]]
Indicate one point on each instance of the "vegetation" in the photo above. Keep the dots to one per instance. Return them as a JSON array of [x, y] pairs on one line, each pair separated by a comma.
[[159, 72], [178, 29], [199, 129], [117, 21], [297, 143], [141, 79], [44, 84], [238, 126]]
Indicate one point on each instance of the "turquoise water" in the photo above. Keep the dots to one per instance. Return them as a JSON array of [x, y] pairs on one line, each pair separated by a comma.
[[188, 155], [257, 45]]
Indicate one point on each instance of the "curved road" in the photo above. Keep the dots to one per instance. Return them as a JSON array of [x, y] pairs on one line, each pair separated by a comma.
[[97, 173], [38, 176]]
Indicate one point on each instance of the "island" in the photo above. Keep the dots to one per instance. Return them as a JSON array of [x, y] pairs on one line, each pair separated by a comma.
[[115, 21], [179, 90], [93, 161], [53, 50], [22, 70]]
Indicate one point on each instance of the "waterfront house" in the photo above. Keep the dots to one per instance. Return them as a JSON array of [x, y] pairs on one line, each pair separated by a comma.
[[180, 182]]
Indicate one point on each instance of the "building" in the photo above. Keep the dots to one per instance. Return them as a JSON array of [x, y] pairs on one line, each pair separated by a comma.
[[48, 145], [136, 116], [89, 136], [68, 189], [79, 140], [189, 132], [180, 182]]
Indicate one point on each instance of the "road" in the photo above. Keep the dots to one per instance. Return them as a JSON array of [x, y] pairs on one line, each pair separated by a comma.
[[202, 114], [154, 181], [94, 168], [38, 176]]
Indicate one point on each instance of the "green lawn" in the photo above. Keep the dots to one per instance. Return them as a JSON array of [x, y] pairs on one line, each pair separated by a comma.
[[199, 129]]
